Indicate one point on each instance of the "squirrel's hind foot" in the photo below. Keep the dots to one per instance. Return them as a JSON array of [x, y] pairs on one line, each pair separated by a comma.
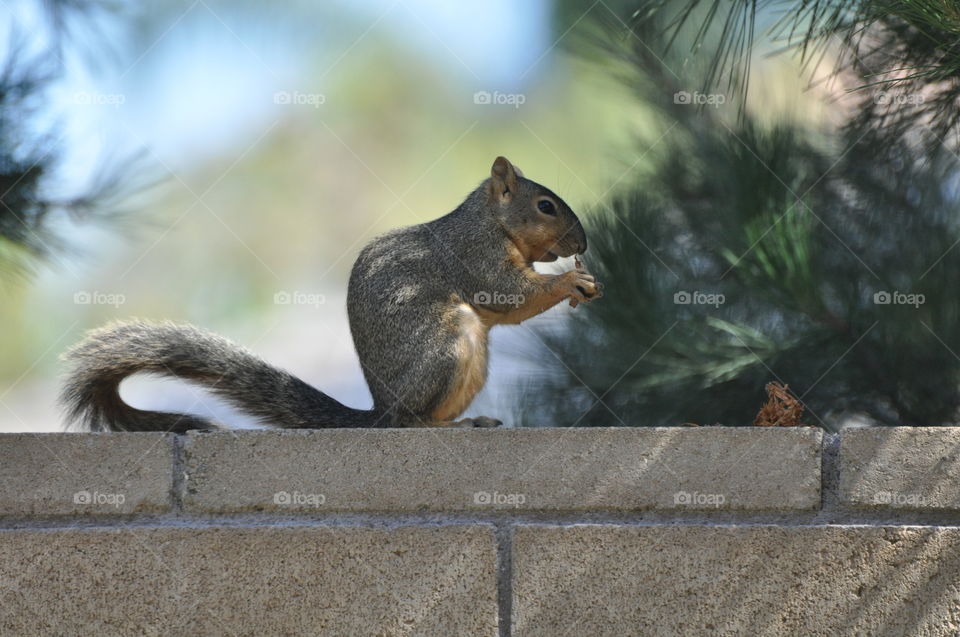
[[479, 421]]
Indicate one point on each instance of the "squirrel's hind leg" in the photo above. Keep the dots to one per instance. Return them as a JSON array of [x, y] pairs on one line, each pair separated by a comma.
[[453, 369], [467, 368]]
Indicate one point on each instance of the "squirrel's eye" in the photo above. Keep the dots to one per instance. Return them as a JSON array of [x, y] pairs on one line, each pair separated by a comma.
[[546, 207]]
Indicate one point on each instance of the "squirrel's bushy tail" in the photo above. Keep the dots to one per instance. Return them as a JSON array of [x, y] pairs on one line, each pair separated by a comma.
[[110, 354]]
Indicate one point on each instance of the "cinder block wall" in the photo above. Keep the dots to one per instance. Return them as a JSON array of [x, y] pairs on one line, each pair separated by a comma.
[[620, 531]]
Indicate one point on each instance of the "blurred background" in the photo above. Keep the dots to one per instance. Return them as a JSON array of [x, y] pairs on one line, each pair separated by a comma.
[[748, 185]]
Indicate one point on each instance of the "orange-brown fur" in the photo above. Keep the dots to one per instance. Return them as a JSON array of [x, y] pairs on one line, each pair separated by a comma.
[[471, 369]]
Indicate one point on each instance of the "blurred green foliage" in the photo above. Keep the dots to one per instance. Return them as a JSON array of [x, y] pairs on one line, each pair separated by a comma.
[[823, 257]]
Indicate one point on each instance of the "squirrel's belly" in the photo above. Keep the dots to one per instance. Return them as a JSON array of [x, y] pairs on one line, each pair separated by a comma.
[[471, 369]]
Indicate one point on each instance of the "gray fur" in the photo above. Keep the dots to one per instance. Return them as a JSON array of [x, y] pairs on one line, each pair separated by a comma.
[[110, 354], [401, 286]]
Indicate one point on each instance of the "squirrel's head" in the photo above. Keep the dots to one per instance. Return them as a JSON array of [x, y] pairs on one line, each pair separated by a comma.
[[539, 222]]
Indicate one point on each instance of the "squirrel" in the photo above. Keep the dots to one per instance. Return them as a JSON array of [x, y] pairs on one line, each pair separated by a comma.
[[421, 301]]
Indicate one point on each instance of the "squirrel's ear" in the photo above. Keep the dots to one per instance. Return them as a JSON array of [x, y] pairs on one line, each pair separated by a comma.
[[503, 180]]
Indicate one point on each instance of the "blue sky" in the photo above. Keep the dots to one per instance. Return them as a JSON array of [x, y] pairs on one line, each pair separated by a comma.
[[200, 83]]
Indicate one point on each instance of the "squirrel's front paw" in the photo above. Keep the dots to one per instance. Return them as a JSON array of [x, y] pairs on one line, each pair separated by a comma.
[[580, 286]]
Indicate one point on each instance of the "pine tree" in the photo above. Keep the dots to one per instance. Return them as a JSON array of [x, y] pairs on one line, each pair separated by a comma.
[[755, 252], [30, 205]]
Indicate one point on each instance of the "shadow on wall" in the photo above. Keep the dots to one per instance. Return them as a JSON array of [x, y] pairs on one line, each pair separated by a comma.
[[683, 580]]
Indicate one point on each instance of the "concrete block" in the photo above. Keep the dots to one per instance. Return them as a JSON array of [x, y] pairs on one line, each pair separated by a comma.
[[85, 473], [249, 581], [700, 580], [513, 469], [901, 468]]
